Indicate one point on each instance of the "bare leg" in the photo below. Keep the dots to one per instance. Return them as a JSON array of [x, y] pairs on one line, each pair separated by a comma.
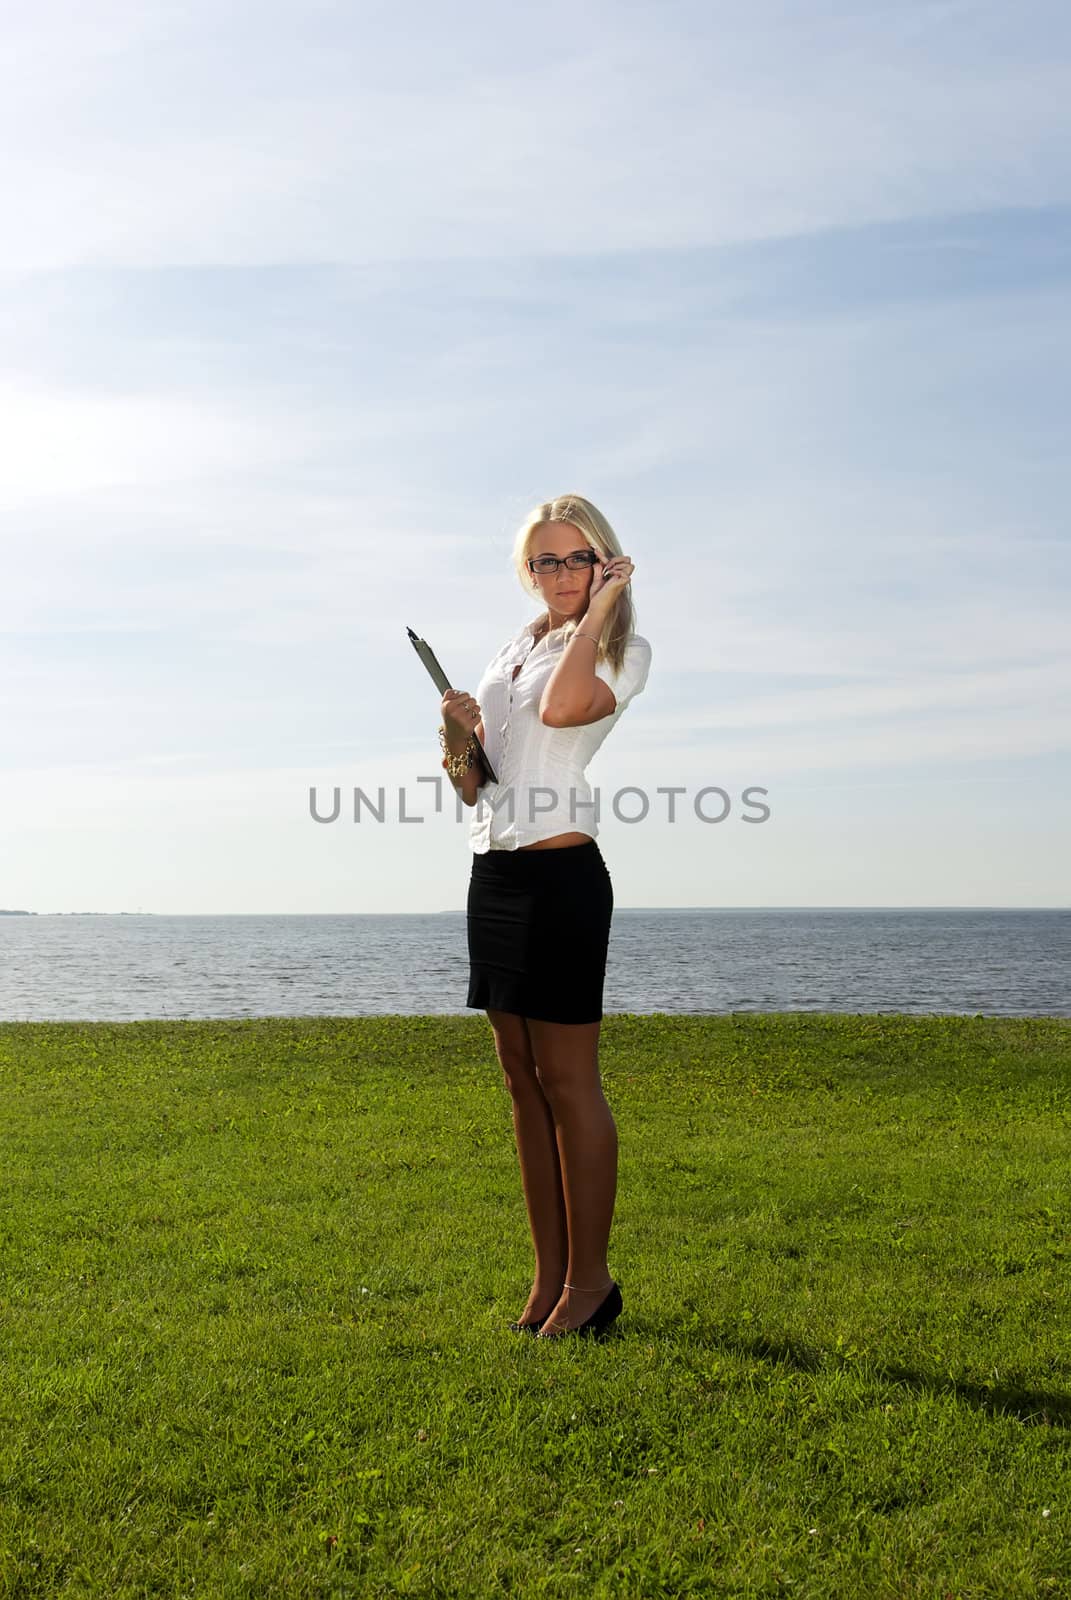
[[533, 1126], [567, 1065]]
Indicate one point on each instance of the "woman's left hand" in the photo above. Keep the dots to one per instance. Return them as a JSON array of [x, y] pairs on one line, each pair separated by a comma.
[[609, 577]]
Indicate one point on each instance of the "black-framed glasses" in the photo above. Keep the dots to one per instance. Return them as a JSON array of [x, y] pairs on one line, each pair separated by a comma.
[[578, 560]]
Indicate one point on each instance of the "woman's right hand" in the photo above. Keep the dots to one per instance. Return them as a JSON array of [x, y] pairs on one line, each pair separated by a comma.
[[460, 713]]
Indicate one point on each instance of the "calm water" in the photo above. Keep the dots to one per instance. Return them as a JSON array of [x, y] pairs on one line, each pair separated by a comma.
[[117, 968]]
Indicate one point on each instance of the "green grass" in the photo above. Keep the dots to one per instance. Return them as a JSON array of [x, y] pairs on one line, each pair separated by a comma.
[[255, 1278]]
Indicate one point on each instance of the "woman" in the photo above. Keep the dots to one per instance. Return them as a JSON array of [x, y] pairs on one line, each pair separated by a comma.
[[540, 898]]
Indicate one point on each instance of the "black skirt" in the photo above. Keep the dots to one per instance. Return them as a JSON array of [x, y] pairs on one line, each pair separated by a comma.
[[538, 932]]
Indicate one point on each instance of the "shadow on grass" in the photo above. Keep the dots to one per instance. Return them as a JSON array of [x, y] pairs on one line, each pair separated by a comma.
[[1033, 1407]]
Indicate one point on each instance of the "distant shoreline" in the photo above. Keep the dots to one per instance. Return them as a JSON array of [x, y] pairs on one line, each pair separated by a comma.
[[618, 911], [77, 913]]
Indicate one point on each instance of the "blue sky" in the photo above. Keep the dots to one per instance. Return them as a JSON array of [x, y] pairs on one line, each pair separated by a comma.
[[303, 308]]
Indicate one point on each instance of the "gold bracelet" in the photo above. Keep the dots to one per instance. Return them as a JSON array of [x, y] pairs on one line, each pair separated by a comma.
[[457, 766]]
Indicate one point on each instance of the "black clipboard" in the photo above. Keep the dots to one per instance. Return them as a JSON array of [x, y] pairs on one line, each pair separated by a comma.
[[442, 683]]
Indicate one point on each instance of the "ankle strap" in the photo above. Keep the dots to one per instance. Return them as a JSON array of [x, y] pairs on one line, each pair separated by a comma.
[[587, 1291]]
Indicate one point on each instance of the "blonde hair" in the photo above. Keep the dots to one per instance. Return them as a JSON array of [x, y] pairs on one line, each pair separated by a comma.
[[619, 625]]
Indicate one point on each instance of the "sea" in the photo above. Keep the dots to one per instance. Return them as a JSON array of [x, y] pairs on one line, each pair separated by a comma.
[[935, 961]]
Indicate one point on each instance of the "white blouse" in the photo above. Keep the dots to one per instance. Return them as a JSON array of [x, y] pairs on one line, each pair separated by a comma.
[[541, 790]]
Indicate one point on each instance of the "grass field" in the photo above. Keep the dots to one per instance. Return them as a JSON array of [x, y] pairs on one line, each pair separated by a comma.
[[255, 1279]]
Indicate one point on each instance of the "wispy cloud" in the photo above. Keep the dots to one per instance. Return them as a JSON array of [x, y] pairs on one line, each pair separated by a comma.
[[258, 134]]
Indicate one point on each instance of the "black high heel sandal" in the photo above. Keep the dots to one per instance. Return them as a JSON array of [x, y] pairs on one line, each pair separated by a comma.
[[600, 1319], [526, 1327]]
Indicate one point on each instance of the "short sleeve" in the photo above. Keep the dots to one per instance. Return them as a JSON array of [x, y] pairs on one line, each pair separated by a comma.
[[629, 679]]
